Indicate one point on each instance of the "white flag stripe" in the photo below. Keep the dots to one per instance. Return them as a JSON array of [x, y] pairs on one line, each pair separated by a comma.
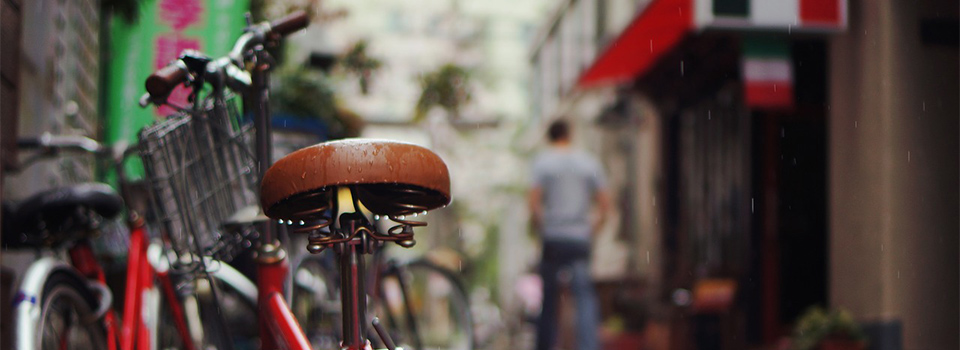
[[775, 12], [770, 69], [703, 12]]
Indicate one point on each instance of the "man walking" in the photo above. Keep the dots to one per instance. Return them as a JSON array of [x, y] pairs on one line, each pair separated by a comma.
[[567, 184]]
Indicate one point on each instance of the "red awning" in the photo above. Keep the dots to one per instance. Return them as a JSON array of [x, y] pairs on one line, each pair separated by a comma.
[[655, 31]]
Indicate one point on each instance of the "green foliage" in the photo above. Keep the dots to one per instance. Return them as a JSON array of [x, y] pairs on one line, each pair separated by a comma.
[[818, 324], [309, 94], [319, 10], [356, 61], [447, 88], [303, 93], [486, 266]]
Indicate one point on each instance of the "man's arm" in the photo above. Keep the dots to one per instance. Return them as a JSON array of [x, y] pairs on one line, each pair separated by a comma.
[[601, 200], [534, 201]]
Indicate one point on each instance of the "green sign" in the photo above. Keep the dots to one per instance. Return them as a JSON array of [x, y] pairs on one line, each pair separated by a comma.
[[163, 29]]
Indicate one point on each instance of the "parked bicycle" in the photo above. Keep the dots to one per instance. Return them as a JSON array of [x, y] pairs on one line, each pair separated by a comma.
[[55, 304], [63, 306], [400, 180], [67, 304], [199, 171]]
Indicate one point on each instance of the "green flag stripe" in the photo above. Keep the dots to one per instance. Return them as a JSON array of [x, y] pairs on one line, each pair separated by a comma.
[[731, 8], [766, 47]]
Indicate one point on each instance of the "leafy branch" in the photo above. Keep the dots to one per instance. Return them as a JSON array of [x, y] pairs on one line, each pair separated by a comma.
[[356, 61], [448, 88]]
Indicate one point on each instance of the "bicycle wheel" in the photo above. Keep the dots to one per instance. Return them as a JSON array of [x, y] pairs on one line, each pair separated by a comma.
[[425, 307], [67, 319], [316, 302]]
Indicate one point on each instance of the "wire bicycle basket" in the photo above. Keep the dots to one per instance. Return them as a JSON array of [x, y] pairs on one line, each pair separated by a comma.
[[200, 170]]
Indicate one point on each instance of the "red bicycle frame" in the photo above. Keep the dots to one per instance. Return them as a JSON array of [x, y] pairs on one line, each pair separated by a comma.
[[279, 329], [133, 333]]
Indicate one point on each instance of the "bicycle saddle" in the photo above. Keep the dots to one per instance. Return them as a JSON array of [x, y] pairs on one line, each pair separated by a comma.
[[50, 217], [391, 178]]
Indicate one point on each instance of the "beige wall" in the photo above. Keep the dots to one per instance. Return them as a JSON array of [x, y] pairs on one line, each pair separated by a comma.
[[894, 172], [649, 198]]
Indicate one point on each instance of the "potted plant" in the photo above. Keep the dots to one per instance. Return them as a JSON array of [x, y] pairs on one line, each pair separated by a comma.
[[820, 329]]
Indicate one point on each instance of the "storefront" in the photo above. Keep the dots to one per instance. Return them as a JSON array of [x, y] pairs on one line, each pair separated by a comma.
[[736, 103]]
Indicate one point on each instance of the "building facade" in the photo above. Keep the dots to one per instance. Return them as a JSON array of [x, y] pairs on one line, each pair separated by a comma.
[[773, 144]]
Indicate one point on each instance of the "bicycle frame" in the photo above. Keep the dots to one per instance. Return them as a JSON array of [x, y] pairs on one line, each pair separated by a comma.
[[134, 332], [279, 329]]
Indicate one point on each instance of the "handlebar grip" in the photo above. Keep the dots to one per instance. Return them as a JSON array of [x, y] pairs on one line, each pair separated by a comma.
[[289, 24], [163, 81]]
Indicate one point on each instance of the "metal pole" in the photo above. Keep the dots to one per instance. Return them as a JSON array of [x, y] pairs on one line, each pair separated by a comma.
[[353, 293], [260, 99]]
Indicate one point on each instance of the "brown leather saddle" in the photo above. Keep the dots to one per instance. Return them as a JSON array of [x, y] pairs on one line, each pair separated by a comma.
[[389, 178]]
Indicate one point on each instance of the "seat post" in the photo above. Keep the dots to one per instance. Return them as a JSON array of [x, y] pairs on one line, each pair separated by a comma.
[[353, 295]]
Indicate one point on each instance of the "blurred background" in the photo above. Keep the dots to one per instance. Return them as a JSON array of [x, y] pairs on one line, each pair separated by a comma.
[[766, 156]]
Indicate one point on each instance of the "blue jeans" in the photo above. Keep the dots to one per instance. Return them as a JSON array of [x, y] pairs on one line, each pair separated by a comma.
[[574, 257]]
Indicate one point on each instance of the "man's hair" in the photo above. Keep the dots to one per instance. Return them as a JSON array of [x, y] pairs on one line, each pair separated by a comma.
[[559, 130]]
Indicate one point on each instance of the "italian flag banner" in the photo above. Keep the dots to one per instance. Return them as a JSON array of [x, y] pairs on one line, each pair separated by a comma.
[[767, 72], [773, 14]]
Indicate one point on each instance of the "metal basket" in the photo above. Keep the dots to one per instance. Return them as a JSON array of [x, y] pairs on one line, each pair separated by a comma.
[[200, 170]]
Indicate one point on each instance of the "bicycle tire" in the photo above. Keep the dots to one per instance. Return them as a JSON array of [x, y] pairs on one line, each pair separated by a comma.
[[315, 302], [431, 311], [66, 299]]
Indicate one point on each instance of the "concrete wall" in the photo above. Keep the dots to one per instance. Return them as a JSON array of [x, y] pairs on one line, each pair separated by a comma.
[[894, 173]]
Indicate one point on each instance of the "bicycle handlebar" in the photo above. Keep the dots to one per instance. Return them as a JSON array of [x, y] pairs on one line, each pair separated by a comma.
[[58, 142], [49, 145], [162, 82], [289, 24]]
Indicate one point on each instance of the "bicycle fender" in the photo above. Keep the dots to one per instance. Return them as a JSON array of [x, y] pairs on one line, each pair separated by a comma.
[[27, 301], [236, 280]]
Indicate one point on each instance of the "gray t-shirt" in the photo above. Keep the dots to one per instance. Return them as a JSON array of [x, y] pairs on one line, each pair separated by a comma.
[[569, 179]]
